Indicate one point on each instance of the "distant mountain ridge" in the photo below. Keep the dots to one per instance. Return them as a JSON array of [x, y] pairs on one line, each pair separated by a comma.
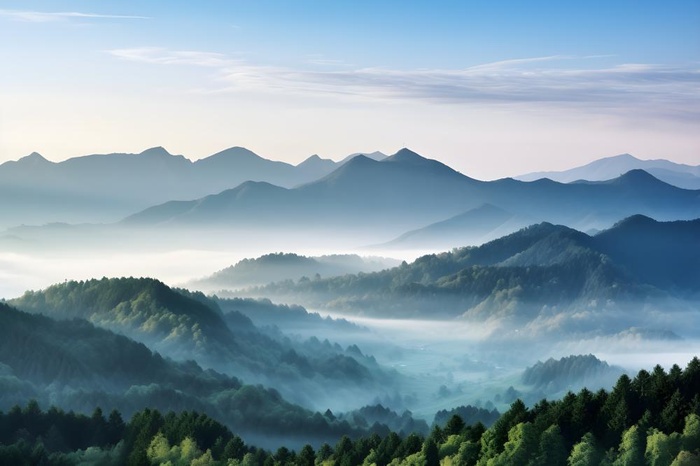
[[571, 373], [106, 187], [371, 196], [538, 272], [407, 192], [473, 227], [280, 266], [680, 175]]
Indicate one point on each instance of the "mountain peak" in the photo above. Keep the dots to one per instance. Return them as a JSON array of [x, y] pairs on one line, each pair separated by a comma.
[[34, 158], [408, 159], [157, 151], [318, 165], [406, 155], [637, 175], [237, 151], [625, 157], [358, 160], [376, 155], [637, 220]]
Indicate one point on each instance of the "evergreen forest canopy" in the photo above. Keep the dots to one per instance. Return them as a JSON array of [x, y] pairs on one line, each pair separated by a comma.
[[653, 419]]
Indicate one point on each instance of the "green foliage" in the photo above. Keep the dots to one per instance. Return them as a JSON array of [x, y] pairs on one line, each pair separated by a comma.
[[661, 449], [469, 414], [553, 376], [631, 450], [585, 452], [536, 437], [430, 453], [179, 324], [551, 450], [686, 458], [691, 433], [514, 276]]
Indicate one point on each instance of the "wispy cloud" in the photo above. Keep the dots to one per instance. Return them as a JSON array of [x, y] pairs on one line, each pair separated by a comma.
[[161, 56], [674, 90], [47, 17], [320, 60]]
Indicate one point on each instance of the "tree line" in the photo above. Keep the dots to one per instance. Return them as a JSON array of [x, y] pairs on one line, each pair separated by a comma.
[[653, 419]]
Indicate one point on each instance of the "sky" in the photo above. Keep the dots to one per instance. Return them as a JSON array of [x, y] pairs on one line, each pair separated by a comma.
[[493, 89]]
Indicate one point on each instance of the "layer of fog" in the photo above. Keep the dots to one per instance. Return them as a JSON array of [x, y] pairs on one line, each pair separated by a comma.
[[25, 269], [444, 363], [452, 363]]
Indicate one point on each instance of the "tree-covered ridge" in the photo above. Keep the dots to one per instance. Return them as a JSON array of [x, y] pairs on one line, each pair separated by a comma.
[[288, 318], [518, 276], [189, 326], [74, 353], [276, 267], [469, 414], [141, 308], [570, 372], [653, 419], [540, 265], [75, 365]]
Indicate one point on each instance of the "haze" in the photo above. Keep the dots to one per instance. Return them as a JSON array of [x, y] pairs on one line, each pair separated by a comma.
[[491, 91]]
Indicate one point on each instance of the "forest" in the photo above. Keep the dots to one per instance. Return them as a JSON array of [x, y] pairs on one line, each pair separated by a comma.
[[652, 419]]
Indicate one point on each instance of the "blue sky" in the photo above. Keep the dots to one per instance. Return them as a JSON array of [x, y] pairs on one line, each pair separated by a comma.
[[492, 88]]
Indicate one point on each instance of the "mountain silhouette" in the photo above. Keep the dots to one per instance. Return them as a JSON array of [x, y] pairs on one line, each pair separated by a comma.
[[407, 192], [680, 175], [106, 187]]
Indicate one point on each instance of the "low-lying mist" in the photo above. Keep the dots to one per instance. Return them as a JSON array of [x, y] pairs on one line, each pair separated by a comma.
[[34, 257], [437, 361], [448, 363]]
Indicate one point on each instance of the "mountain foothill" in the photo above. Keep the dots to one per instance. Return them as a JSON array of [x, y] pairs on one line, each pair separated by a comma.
[[292, 356]]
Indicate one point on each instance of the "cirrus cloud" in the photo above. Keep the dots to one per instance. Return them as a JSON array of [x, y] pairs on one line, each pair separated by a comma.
[[48, 17], [664, 90]]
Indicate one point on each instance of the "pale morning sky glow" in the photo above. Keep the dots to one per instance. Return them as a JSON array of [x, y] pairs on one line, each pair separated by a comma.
[[492, 90]]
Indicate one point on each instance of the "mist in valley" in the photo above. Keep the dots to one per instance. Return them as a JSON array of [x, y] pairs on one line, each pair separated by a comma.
[[294, 331]]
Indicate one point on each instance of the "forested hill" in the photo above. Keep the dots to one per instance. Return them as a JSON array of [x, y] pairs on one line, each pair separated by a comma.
[[517, 275], [74, 353], [576, 371], [142, 308], [189, 326], [653, 419], [540, 264], [76, 366], [282, 266]]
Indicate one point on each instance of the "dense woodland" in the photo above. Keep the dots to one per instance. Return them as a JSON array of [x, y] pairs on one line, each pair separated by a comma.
[[518, 277], [558, 267], [653, 419], [282, 266], [74, 365], [553, 376], [189, 326]]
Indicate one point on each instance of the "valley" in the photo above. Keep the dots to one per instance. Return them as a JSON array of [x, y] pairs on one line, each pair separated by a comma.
[[379, 299]]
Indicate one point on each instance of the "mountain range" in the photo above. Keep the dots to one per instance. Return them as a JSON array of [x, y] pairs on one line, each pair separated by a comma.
[[403, 201], [406, 191], [540, 272], [475, 226], [683, 176], [277, 267], [105, 187]]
